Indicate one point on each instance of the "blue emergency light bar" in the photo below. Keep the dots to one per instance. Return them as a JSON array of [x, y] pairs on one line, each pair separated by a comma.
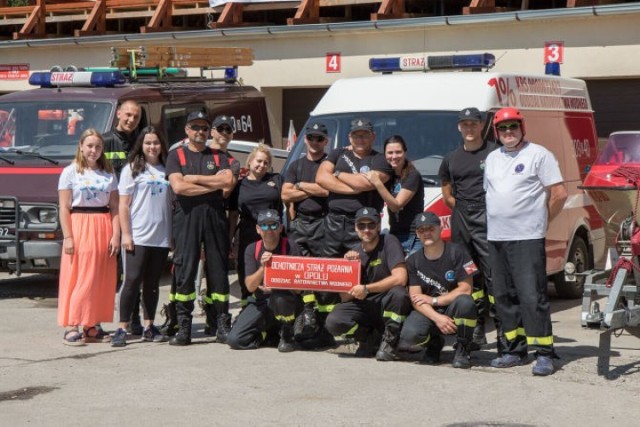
[[77, 78], [426, 63]]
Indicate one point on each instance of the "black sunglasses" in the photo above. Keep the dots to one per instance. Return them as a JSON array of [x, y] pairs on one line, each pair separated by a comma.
[[224, 129], [318, 138], [512, 126], [199, 128], [366, 226]]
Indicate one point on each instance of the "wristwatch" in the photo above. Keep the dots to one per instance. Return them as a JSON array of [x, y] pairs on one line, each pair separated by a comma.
[[434, 301], [297, 186], [336, 173], [366, 290]]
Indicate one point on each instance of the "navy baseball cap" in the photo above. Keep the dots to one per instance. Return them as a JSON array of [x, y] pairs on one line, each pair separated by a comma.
[[427, 219], [368, 213], [223, 120], [198, 115], [361, 124], [268, 216], [470, 113], [317, 128]]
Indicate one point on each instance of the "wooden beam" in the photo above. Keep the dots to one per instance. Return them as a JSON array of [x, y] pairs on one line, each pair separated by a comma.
[[96, 23], [231, 16], [161, 19], [389, 9], [307, 13], [35, 26]]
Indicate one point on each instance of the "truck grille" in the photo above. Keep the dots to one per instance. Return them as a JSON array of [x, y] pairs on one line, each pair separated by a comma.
[[7, 211]]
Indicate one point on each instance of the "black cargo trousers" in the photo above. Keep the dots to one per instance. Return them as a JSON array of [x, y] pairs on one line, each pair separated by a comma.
[[194, 227], [469, 228]]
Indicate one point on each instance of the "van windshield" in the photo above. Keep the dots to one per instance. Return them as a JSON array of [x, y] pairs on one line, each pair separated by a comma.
[[51, 130], [430, 135]]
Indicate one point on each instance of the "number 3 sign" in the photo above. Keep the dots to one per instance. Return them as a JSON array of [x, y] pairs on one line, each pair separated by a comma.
[[553, 52]]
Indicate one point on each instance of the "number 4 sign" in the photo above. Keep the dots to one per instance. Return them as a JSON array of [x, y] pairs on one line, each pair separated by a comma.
[[553, 52], [333, 62]]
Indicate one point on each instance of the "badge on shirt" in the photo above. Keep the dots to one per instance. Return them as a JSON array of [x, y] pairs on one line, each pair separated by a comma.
[[364, 169], [470, 267], [211, 165], [450, 276], [519, 168]]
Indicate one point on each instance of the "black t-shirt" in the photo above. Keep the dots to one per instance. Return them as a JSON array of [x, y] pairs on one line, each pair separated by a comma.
[[346, 161], [252, 262], [304, 170], [200, 163], [440, 276], [464, 170], [252, 196], [377, 264], [116, 142], [401, 222]]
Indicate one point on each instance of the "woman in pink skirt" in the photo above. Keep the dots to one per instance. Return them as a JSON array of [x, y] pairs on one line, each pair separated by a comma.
[[88, 192]]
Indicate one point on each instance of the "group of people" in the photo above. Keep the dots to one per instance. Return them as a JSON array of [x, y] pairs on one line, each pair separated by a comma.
[[415, 287]]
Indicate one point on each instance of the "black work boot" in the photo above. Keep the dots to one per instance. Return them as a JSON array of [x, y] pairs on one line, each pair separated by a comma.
[[286, 344], [170, 325], [224, 327], [211, 325], [462, 357], [368, 346], [183, 336], [306, 324], [431, 354], [390, 338]]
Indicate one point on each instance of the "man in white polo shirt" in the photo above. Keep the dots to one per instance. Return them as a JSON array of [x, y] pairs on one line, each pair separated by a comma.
[[525, 190]]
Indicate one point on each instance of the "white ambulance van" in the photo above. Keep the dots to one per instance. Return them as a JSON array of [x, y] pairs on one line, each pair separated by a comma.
[[422, 106]]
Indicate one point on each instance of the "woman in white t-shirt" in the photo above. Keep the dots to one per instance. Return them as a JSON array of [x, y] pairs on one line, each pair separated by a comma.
[[88, 192], [145, 220]]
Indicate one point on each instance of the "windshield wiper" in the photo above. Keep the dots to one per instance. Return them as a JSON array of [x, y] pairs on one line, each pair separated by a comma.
[[38, 155], [11, 162]]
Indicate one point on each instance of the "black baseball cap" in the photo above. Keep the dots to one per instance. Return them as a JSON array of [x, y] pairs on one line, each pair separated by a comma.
[[361, 124], [368, 213], [223, 120], [470, 113], [317, 128], [427, 219], [268, 216], [198, 115]]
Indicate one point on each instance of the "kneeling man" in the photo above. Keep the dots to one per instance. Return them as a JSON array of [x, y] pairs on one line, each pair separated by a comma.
[[440, 284]]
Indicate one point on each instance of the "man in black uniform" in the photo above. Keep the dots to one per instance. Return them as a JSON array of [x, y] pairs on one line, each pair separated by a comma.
[[380, 302], [440, 283], [268, 313], [349, 190], [307, 215], [461, 174], [117, 144], [198, 176]]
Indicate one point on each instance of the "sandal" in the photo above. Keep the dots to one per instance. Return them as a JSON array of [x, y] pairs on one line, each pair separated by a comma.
[[73, 338], [95, 334]]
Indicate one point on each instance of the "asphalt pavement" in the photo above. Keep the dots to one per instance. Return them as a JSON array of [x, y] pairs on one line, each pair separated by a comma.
[[43, 382]]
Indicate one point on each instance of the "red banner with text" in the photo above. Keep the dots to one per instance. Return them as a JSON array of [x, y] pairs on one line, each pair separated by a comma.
[[311, 274]]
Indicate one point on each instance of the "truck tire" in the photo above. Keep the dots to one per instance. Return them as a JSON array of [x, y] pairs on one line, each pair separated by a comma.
[[579, 256]]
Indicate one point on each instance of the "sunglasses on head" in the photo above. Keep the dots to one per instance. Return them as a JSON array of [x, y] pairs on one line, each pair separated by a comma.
[[273, 226], [366, 226], [199, 128], [318, 138], [224, 129], [512, 126]]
